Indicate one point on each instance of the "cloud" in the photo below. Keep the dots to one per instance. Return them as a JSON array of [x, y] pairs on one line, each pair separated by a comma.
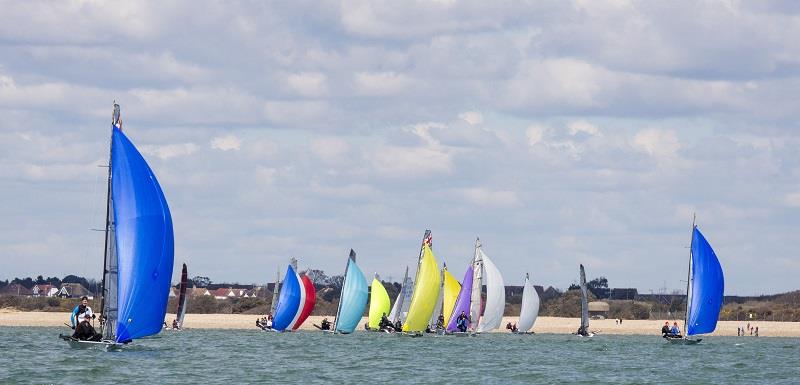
[[792, 199], [226, 143], [331, 150], [381, 83], [657, 142], [169, 151], [308, 84], [471, 117]]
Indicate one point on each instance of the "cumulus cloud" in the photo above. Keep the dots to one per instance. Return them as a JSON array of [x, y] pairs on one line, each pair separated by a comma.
[[471, 117], [226, 143], [657, 142], [168, 151]]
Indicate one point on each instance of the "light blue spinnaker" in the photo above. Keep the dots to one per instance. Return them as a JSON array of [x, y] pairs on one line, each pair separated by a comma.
[[353, 300], [288, 301], [707, 287], [144, 242]]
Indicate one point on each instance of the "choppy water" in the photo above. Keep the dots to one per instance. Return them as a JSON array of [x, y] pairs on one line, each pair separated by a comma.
[[36, 356]]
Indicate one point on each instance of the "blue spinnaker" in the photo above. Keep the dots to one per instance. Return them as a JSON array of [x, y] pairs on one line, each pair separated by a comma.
[[708, 285], [354, 299], [288, 301], [144, 242]]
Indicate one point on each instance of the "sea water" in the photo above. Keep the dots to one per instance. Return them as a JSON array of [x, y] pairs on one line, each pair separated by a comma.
[[37, 356]]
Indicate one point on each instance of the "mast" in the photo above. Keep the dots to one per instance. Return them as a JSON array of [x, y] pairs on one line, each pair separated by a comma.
[[425, 239], [108, 313], [341, 291], [689, 280]]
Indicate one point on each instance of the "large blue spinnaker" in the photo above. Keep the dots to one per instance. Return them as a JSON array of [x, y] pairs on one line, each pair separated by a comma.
[[144, 242], [288, 302], [707, 287], [353, 299]]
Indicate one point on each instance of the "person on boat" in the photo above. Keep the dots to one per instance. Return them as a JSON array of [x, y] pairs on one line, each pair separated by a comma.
[[269, 320], [514, 328], [175, 325], [398, 325], [84, 331], [385, 324], [440, 322], [675, 332], [461, 322], [582, 331], [80, 312], [665, 331], [325, 324], [508, 326], [258, 323]]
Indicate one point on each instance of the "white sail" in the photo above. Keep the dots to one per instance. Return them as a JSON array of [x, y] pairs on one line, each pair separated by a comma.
[[403, 300], [584, 302], [530, 306], [477, 287], [495, 295]]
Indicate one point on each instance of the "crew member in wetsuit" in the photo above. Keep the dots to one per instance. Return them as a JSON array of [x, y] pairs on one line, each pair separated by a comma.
[[665, 330], [582, 331], [175, 324], [85, 331], [440, 322], [325, 324], [385, 324], [461, 322], [398, 326], [80, 312]]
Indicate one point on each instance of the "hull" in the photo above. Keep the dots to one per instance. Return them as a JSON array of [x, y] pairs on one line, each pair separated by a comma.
[[97, 345], [683, 341]]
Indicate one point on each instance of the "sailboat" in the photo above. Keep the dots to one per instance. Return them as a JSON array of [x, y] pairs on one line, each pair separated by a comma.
[[583, 330], [704, 290], [426, 290], [402, 301], [448, 295], [378, 303], [529, 309], [139, 248], [182, 297], [463, 301], [291, 301], [353, 299], [484, 270]]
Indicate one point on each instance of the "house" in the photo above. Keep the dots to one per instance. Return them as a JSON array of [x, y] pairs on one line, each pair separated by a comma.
[[44, 291], [223, 293], [74, 290], [598, 310], [198, 292], [16, 290]]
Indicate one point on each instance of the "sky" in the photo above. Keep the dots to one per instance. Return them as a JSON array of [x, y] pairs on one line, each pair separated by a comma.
[[560, 133]]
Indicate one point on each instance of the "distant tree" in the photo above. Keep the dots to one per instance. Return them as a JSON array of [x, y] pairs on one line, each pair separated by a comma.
[[318, 277], [27, 282], [55, 281], [573, 287], [76, 279], [40, 280], [598, 283], [3, 284], [200, 281], [336, 281]]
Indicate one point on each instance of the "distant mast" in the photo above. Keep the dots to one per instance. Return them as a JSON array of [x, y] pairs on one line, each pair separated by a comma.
[[275, 290]]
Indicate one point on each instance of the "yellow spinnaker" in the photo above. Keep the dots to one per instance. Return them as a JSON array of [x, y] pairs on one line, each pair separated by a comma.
[[378, 303], [426, 292], [450, 294]]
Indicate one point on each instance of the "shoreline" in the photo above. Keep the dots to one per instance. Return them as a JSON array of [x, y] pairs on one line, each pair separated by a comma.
[[543, 325]]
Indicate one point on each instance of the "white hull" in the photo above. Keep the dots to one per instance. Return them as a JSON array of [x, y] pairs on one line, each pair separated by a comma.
[[98, 345]]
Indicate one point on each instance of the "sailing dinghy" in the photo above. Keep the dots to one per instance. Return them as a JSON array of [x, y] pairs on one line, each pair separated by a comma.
[[139, 248], [291, 301], [353, 299], [426, 290], [583, 330], [704, 290], [485, 271], [462, 304], [378, 304], [182, 298], [529, 309]]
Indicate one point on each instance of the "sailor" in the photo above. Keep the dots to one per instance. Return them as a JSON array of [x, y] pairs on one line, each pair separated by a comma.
[[385, 324], [258, 323], [85, 332], [398, 326], [514, 328], [440, 322], [270, 318], [675, 331], [461, 322], [665, 332], [80, 312], [325, 324], [175, 324]]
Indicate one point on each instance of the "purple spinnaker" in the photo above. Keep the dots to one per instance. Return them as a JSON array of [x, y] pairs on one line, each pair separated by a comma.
[[463, 301]]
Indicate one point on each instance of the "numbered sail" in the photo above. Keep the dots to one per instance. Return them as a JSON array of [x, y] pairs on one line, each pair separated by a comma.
[[463, 301], [308, 304], [584, 302], [529, 309], [495, 296], [290, 299], [353, 299], [378, 303], [426, 290], [144, 242], [181, 312], [707, 287]]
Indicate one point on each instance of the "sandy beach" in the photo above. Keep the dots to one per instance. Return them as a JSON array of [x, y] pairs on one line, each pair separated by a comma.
[[556, 325]]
